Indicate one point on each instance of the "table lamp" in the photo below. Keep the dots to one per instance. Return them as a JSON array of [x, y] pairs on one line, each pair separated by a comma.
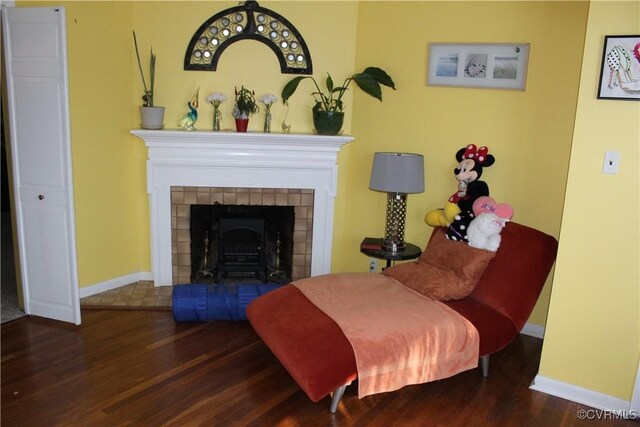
[[396, 174]]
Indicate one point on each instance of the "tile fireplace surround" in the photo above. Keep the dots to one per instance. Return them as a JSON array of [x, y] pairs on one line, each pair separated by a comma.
[[204, 159], [182, 198]]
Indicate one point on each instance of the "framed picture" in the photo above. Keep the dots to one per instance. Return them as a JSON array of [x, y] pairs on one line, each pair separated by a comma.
[[498, 66], [620, 68]]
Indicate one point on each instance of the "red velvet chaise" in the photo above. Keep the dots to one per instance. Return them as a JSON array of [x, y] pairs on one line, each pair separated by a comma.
[[320, 359]]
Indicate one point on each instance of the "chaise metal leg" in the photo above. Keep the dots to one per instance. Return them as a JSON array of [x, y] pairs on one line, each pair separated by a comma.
[[337, 396], [484, 365]]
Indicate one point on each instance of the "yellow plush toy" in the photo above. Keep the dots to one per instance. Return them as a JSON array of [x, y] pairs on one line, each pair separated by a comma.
[[442, 217]]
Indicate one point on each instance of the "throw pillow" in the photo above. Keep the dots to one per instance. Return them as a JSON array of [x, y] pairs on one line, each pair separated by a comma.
[[446, 270]]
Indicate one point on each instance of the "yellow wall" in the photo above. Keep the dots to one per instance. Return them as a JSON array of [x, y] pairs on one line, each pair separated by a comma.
[[111, 205], [593, 328], [323, 25], [532, 159], [528, 132]]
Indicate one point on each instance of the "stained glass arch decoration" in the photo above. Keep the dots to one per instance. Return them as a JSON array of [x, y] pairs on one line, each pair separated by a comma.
[[248, 21]]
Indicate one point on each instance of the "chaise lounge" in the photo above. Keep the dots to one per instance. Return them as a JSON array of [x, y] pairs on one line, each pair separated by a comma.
[[319, 357]]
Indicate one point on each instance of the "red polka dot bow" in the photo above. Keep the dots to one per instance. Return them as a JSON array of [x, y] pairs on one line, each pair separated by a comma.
[[475, 153]]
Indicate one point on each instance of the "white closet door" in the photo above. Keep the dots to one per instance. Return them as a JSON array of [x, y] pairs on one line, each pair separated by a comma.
[[37, 93]]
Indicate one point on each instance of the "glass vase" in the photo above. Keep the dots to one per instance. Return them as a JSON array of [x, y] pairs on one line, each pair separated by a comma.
[[216, 119], [267, 122]]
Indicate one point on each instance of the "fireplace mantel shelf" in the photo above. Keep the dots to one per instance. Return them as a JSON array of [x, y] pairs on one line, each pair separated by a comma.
[[232, 159], [200, 138]]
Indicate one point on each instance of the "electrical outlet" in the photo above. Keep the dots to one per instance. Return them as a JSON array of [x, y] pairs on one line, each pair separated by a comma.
[[373, 265]]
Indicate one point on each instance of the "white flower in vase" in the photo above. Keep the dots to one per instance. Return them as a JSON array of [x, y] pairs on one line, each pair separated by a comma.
[[216, 99], [268, 100]]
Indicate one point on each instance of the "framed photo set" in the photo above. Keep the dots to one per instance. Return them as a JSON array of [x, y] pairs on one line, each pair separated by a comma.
[[620, 68], [482, 65]]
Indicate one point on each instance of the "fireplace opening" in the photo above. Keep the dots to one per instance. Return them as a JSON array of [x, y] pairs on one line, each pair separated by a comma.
[[239, 243]]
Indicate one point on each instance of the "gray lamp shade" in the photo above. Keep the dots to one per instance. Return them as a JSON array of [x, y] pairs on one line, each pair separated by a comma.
[[397, 173]]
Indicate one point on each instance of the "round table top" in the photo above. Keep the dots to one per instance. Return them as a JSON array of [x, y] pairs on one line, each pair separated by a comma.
[[410, 251]]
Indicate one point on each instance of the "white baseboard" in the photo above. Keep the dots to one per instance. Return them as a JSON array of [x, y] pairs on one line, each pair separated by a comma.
[[532, 330], [580, 395], [118, 282]]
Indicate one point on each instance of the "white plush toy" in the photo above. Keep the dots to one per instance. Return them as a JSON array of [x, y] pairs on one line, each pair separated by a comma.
[[484, 231]]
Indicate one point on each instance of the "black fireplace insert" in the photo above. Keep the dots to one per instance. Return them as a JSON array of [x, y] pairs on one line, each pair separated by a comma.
[[238, 243]]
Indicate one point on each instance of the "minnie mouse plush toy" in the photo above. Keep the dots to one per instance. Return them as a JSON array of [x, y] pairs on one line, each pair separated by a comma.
[[458, 213]]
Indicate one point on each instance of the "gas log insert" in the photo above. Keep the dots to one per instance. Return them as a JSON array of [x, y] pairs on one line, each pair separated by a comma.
[[231, 243], [241, 248]]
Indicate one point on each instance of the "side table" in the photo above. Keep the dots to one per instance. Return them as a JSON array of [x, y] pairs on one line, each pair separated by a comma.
[[410, 251]]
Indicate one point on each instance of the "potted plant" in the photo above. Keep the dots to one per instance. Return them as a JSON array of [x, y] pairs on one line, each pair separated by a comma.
[[245, 106], [328, 114], [151, 116]]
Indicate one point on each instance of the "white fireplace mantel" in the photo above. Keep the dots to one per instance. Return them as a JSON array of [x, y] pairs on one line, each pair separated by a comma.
[[250, 160]]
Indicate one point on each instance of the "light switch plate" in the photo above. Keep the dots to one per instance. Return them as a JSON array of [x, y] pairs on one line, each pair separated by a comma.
[[611, 162]]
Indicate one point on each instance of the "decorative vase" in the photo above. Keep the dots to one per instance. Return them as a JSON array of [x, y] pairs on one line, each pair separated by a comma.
[[328, 122], [241, 125], [216, 119], [267, 122], [152, 117]]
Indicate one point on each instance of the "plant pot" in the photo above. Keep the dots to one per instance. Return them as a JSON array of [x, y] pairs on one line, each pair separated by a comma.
[[241, 125], [328, 122], [152, 117]]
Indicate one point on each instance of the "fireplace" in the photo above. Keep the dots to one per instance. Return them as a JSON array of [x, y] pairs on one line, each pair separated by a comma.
[[202, 167]]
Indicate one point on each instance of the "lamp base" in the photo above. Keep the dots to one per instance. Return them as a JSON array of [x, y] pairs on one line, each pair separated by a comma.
[[394, 228]]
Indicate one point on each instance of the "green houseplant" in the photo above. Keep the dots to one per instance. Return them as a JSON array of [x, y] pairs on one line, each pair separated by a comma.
[[245, 106], [328, 114], [151, 116]]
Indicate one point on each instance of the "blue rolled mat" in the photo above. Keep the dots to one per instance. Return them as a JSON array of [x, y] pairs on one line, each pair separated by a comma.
[[202, 302]]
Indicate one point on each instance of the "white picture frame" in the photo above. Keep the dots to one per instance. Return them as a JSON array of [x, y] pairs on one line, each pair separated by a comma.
[[479, 65]]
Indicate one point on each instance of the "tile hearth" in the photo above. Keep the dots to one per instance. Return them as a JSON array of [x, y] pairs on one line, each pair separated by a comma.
[[140, 296]]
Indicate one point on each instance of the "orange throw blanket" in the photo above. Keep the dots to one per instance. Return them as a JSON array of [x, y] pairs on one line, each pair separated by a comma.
[[399, 337]]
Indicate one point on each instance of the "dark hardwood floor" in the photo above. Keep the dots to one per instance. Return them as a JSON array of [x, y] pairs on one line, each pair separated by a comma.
[[141, 368]]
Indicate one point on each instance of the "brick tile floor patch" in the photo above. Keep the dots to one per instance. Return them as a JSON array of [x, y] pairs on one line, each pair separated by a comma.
[[142, 295]]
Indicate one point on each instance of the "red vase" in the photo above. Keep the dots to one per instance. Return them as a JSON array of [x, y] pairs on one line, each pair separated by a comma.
[[241, 125]]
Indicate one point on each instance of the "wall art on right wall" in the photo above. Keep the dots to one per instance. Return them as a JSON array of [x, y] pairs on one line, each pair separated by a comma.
[[620, 68]]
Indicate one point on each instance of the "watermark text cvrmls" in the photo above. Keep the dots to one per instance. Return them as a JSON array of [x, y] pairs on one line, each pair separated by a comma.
[[606, 414]]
